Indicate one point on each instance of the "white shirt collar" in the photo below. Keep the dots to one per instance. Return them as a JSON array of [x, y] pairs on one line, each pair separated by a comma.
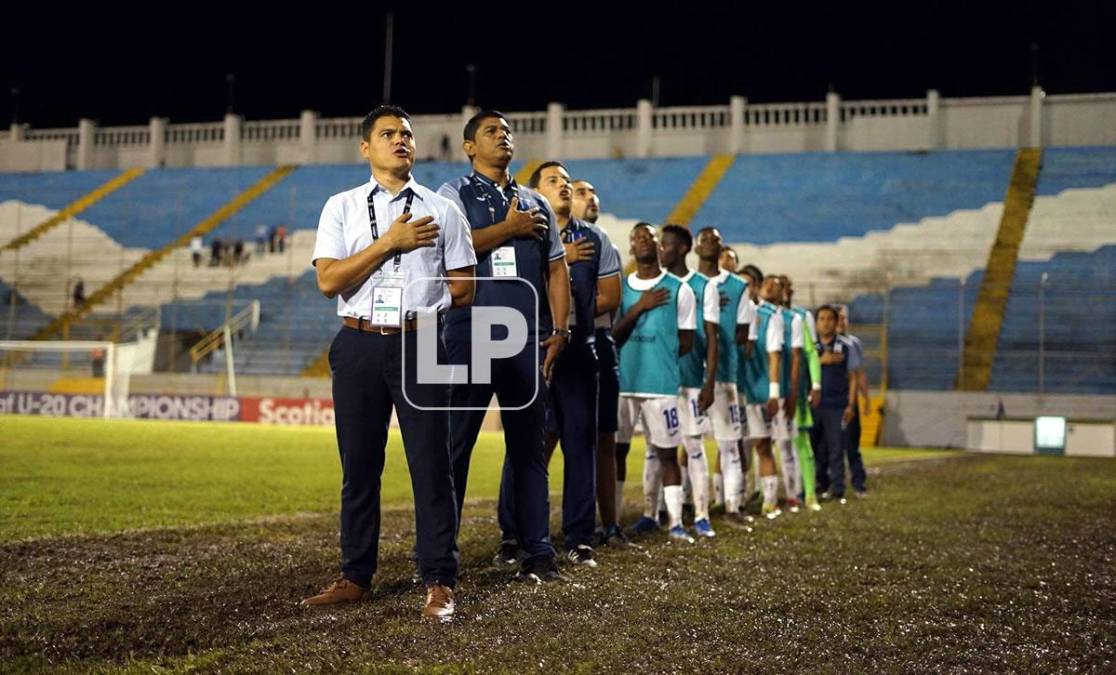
[[411, 185]]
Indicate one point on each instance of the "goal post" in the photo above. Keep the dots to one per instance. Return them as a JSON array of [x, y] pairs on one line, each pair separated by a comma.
[[90, 367]]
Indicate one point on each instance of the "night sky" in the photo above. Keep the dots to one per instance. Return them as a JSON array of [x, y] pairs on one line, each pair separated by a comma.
[[104, 64]]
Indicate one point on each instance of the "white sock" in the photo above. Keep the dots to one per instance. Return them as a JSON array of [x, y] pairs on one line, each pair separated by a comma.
[[770, 489], [619, 498], [687, 489], [733, 475], [792, 477], [672, 494], [699, 475], [652, 483], [718, 488]]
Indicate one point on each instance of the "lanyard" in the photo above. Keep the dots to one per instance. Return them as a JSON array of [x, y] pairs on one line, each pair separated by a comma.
[[372, 219], [488, 198]]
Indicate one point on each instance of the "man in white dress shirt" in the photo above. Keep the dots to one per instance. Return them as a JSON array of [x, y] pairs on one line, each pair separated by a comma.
[[378, 245]]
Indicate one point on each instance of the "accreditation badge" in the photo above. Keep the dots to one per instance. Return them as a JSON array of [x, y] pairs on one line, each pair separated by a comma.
[[503, 262], [387, 300]]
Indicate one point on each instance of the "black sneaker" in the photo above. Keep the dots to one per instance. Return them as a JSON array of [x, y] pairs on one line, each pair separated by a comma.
[[507, 554], [540, 571], [614, 536], [581, 555]]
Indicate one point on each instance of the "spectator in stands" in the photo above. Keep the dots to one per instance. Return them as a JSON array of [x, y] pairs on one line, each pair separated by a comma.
[[261, 238], [392, 222], [215, 248], [196, 248], [839, 362], [79, 292], [238, 251], [281, 237], [862, 400], [446, 156]]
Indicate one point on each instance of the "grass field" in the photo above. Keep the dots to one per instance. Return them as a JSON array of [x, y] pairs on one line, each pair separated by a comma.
[[147, 546]]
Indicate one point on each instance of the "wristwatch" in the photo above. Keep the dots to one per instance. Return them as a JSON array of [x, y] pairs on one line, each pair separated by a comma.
[[562, 333]]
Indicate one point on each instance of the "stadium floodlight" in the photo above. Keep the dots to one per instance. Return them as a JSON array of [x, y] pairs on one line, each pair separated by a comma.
[[40, 377]]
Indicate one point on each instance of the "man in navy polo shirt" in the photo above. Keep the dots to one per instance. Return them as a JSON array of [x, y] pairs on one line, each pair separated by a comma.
[[586, 207], [516, 240], [572, 410], [839, 361]]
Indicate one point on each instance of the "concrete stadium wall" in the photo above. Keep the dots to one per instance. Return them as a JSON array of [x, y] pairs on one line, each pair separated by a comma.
[[939, 419], [928, 123]]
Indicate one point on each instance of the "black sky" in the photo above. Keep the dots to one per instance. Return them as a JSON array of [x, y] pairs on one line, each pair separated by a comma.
[[104, 63]]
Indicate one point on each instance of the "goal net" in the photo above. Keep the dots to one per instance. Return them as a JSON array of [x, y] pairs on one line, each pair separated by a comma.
[[69, 378]]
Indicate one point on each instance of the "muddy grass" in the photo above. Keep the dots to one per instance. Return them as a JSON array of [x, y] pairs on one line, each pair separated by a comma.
[[972, 563]]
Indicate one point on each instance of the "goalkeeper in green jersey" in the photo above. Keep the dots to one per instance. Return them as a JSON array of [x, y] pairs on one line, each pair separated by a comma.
[[802, 483]]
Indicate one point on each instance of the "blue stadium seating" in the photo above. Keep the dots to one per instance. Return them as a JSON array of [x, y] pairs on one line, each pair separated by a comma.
[[160, 205], [1080, 326], [923, 329], [54, 189], [19, 318], [642, 189], [766, 199], [1064, 168], [296, 323]]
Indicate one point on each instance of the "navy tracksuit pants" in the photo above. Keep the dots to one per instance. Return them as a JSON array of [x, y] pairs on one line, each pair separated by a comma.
[[514, 382], [572, 415]]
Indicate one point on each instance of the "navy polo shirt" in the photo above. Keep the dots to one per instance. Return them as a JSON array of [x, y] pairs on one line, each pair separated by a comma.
[[484, 204], [835, 376], [584, 275]]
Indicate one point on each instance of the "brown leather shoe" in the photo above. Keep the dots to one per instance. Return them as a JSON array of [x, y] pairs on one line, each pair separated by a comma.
[[439, 603], [340, 590]]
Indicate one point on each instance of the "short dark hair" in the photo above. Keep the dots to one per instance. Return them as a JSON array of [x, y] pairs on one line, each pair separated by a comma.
[[752, 271], [682, 233], [536, 175], [470, 132], [827, 308], [642, 223], [379, 111]]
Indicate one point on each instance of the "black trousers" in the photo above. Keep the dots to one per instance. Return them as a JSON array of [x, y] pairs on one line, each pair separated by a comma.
[[831, 446], [369, 379], [514, 379], [571, 414]]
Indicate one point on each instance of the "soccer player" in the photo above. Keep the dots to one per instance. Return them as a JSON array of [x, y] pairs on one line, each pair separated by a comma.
[[809, 397], [753, 277], [699, 368], [655, 328], [586, 207], [732, 331], [794, 342], [761, 382]]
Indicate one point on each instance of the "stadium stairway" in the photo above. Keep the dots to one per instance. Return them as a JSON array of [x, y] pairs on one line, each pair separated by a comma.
[[984, 326], [702, 187], [151, 258], [73, 208]]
